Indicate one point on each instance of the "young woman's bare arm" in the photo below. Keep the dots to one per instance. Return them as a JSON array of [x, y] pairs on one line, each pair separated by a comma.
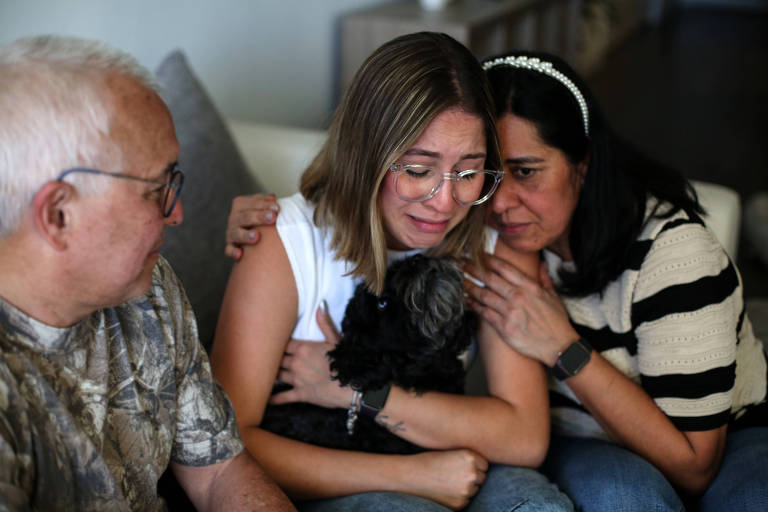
[[257, 317]]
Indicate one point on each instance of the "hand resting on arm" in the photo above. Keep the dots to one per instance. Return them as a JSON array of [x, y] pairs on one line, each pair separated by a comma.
[[531, 318], [246, 214]]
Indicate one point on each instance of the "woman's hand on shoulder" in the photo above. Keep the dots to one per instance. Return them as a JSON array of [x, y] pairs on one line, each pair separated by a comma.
[[528, 315], [248, 213]]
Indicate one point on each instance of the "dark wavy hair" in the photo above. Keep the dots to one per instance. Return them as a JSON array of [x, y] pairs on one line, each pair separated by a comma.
[[611, 210]]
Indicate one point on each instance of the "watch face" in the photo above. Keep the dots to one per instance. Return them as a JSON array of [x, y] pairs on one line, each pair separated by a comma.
[[574, 358]]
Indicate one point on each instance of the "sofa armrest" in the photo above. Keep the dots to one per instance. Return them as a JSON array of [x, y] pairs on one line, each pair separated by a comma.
[[723, 217], [276, 155]]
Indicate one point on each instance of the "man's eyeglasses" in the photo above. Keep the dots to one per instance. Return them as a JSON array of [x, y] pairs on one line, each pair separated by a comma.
[[172, 186], [416, 183]]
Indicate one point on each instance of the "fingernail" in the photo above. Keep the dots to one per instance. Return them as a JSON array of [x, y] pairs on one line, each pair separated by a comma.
[[251, 235], [274, 207], [324, 306], [269, 216]]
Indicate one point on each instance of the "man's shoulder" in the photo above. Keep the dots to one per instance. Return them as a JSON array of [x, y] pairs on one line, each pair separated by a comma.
[[164, 274], [14, 418], [8, 380], [165, 303], [166, 287]]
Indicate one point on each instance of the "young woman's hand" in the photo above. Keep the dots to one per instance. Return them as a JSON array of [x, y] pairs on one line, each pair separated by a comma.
[[528, 315], [247, 213], [450, 477], [306, 367]]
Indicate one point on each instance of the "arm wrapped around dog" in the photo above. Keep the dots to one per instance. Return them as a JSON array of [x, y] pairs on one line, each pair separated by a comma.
[[411, 336]]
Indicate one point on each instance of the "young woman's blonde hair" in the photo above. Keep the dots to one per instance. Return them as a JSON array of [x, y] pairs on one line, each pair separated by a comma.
[[395, 94]]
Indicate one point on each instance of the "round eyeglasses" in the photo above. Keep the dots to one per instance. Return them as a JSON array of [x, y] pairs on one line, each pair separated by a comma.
[[417, 183], [172, 186]]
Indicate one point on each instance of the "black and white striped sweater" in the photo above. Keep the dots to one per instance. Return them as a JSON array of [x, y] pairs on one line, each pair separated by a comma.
[[674, 322]]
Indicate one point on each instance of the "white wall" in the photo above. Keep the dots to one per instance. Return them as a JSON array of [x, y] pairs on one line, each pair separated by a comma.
[[264, 60]]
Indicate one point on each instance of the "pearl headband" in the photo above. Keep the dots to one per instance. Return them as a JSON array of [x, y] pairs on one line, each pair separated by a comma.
[[545, 67]]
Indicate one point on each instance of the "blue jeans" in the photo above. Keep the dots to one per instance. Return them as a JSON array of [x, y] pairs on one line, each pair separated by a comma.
[[599, 476], [506, 488], [742, 483]]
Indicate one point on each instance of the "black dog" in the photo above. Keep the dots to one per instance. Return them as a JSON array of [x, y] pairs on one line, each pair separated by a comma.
[[411, 335]]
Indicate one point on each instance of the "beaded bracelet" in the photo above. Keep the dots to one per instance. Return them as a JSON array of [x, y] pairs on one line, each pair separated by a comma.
[[354, 408]]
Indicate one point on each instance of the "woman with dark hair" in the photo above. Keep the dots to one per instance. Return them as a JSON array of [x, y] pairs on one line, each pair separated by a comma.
[[659, 385], [410, 158]]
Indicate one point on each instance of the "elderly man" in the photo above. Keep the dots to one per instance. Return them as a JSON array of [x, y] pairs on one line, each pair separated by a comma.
[[102, 380]]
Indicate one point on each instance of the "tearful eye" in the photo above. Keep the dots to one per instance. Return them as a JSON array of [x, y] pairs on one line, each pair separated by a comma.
[[381, 304], [419, 171]]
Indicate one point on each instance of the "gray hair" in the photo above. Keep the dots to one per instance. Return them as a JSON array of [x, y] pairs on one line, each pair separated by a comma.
[[55, 114], [433, 292]]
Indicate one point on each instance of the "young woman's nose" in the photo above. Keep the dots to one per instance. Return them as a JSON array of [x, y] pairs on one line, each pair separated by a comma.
[[443, 200]]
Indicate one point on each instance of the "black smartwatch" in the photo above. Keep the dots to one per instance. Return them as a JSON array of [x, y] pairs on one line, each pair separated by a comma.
[[373, 401], [572, 359]]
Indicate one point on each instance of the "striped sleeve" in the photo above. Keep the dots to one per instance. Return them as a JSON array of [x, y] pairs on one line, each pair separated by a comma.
[[686, 307]]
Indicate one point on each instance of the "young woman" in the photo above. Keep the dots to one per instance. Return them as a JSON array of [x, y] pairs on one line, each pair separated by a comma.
[[410, 157]]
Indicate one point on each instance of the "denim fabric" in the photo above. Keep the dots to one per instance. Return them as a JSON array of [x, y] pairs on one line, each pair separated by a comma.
[[742, 483], [378, 501], [506, 489], [509, 488], [600, 476]]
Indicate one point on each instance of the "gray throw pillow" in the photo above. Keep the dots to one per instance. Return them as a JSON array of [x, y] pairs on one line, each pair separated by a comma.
[[214, 174]]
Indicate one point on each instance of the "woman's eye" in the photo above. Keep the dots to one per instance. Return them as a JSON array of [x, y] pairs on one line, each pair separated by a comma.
[[418, 172], [524, 172], [470, 176]]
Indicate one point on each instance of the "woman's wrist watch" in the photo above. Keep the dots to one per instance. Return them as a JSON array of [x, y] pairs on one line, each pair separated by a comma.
[[571, 360], [374, 400]]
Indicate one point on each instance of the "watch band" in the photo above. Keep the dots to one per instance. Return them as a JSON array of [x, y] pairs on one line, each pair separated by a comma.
[[373, 401], [571, 360]]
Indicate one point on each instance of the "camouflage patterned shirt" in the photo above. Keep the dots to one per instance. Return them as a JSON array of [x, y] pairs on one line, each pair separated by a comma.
[[91, 415]]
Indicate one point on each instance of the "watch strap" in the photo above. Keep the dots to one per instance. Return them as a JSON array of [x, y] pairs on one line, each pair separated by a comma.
[[571, 360], [373, 401]]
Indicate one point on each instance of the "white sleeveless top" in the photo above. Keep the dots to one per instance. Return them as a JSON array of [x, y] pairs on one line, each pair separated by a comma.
[[318, 274]]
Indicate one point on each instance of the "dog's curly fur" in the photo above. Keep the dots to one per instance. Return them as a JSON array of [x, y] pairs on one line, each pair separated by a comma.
[[411, 335]]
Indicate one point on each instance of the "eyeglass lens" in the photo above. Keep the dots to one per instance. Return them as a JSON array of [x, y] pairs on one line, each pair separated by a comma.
[[172, 192], [418, 184]]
